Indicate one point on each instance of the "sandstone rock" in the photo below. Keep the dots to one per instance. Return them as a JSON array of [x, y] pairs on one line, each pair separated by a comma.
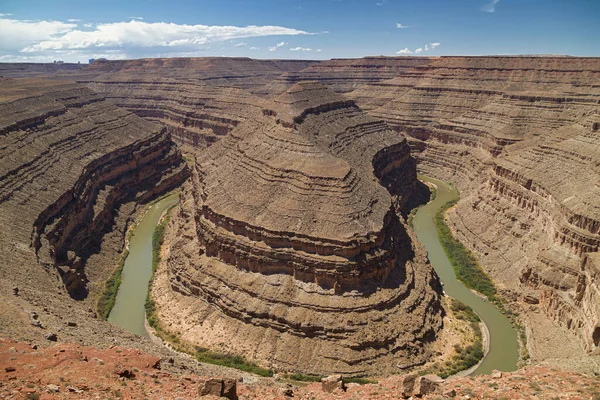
[[531, 299], [52, 388], [9, 369], [124, 373], [427, 384], [333, 383], [220, 387], [229, 389], [51, 336], [496, 374], [210, 386], [288, 391], [451, 393], [406, 383], [74, 389]]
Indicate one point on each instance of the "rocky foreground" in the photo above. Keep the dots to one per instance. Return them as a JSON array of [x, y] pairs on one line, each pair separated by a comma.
[[66, 371]]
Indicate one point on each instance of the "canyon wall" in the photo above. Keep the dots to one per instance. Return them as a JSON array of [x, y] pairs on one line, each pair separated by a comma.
[[290, 248], [70, 159], [520, 137], [517, 135], [200, 99]]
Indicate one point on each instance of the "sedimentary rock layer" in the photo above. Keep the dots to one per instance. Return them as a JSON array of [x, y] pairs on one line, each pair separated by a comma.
[[69, 159], [288, 248], [197, 114], [520, 137]]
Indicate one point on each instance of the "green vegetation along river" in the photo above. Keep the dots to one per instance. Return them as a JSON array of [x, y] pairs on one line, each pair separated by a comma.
[[503, 345], [129, 312]]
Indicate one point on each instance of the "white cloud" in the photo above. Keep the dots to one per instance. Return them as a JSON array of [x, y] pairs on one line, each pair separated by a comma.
[[242, 44], [17, 34], [278, 45], [381, 3], [490, 7], [254, 48], [319, 50], [73, 20], [400, 26], [419, 50], [300, 49], [132, 39], [138, 18]]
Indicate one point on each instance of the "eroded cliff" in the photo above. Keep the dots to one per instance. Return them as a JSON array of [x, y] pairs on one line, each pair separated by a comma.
[[520, 138], [70, 160], [288, 250]]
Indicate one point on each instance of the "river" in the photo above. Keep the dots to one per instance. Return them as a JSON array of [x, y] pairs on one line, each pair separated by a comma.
[[129, 311], [503, 345]]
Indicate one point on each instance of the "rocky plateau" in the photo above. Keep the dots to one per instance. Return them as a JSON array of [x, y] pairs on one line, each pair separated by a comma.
[[290, 262]]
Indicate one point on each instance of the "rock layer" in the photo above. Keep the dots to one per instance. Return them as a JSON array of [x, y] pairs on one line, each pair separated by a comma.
[[520, 138], [287, 248], [69, 161]]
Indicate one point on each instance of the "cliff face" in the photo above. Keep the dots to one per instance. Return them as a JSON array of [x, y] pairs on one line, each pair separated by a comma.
[[69, 161], [520, 138], [287, 248], [201, 99], [517, 135], [197, 113]]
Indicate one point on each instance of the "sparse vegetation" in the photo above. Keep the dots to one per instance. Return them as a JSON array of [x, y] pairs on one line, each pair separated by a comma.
[[232, 361], [465, 356], [466, 267], [106, 302], [158, 238], [360, 381], [202, 355], [303, 378]]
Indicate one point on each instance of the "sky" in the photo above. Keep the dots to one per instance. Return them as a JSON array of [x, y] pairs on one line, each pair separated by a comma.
[[77, 30]]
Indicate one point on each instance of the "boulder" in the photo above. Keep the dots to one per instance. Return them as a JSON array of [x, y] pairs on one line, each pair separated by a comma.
[[426, 384], [333, 382], [220, 387], [407, 385], [229, 389]]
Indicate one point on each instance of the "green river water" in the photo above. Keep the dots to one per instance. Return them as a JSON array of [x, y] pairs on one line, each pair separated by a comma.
[[129, 311], [504, 348]]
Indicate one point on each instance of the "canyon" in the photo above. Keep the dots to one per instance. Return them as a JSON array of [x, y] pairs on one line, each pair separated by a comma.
[[290, 247], [284, 260]]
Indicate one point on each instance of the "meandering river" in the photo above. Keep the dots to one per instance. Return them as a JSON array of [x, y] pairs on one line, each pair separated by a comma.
[[503, 345], [129, 311]]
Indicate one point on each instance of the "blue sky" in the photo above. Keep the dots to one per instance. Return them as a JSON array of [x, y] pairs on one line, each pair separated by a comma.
[[75, 30]]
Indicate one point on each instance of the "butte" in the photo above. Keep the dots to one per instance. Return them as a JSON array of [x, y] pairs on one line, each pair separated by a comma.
[[290, 245]]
